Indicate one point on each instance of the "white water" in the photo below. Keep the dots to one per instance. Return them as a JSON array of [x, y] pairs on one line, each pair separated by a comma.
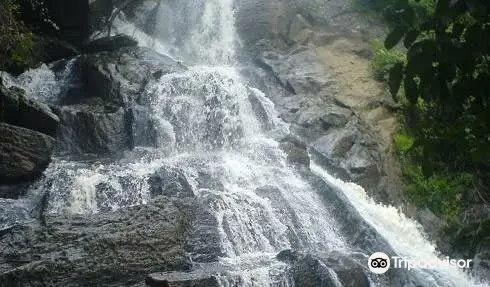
[[205, 123], [405, 235]]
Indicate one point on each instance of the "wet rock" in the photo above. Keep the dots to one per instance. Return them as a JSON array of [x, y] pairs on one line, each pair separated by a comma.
[[13, 190], [298, 23], [182, 279], [145, 129], [169, 182], [288, 255], [16, 109], [296, 150], [94, 129], [353, 278], [205, 180], [310, 271], [110, 44], [120, 77], [110, 249], [259, 110], [264, 19], [203, 242], [349, 153], [25, 153]]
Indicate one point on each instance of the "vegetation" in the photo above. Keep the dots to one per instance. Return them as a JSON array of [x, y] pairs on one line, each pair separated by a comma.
[[443, 82], [384, 59], [17, 42]]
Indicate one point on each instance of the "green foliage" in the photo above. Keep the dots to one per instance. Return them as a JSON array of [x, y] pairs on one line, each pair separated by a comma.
[[447, 69], [403, 143], [384, 60], [441, 193], [17, 45], [422, 8], [445, 85]]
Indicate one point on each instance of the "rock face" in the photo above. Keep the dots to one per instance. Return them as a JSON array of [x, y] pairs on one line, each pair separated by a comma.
[[25, 153], [110, 44], [94, 129], [111, 113], [17, 109], [120, 77], [328, 270], [337, 138], [110, 249], [27, 131]]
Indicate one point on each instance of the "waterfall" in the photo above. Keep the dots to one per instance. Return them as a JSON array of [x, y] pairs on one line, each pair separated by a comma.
[[205, 123]]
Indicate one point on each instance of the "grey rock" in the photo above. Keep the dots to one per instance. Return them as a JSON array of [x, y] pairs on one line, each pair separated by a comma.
[[257, 19], [144, 128], [182, 279], [203, 242], [94, 129], [16, 109], [120, 77], [109, 249], [298, 24], [350, 154], [296, 150], [170, 182], [310, 271], [288, 255], [205, 180], [25, 153], [110, 44]]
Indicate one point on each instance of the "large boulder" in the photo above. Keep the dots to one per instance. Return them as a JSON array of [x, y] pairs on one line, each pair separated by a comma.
[[109, 249], [333, 269], [119, 77], [349, 153], [17, 109], [94, 129], [338, 139], [170, 182], [111, 43], [25, 153]]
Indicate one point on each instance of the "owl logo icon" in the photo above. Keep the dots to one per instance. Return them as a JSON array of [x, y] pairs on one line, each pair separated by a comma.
[[379, 263]]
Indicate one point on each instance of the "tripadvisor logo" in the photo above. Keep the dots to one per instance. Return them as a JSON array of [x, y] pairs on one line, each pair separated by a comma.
[[379, 263]]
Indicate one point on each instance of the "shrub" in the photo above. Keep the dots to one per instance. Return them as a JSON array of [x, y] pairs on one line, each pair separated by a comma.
[[384, 60], [403, 143], [441, 193]]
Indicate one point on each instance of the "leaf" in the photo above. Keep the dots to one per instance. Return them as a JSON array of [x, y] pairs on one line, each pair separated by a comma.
[[410, 37], [396, 76], [394, 37], [411, 90]]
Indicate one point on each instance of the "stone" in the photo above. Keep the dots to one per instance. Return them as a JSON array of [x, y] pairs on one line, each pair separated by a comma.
[[25, 153], [110, 44], [298, 24], [296, 150], [350, 154], [287, 255], [182, 279], [119, 77], [310, 271], [94, 129], [170, 182], [108, 249], [17, 109]]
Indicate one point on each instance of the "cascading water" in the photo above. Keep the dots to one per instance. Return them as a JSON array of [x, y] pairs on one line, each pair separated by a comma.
[[205, 123]]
